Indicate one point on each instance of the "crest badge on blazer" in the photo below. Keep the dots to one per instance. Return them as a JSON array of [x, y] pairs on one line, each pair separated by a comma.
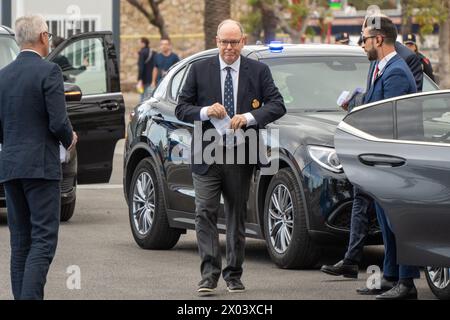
[[256, 104]]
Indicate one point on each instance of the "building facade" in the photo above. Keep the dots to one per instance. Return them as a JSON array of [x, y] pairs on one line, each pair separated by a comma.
[[184, 20], [67, 17]]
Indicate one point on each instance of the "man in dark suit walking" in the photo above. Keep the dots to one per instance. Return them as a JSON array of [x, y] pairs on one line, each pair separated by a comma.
[[362, 203], [227, 84], [33, 122], [391, 78]]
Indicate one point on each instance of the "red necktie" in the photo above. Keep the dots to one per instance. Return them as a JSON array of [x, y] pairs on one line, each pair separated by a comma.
[[375, 73]]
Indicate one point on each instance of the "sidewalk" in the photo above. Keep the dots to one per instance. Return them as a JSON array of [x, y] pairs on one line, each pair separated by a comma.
[[132, 99]]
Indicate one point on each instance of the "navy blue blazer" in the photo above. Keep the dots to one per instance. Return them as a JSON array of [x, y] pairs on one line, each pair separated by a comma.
[[411, 59], [33, 119], [257, 94], [396, 79]]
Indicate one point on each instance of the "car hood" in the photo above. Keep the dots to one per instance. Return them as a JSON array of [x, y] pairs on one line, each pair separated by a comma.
[[316, 128]]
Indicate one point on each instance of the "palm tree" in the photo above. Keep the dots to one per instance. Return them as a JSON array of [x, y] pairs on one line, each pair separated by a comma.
[[215, 12]]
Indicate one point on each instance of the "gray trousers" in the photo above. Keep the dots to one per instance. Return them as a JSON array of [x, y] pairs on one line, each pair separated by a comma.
[[233, 182]]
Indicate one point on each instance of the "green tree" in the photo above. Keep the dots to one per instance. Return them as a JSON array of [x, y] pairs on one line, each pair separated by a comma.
[[270, 16], [426, 13]]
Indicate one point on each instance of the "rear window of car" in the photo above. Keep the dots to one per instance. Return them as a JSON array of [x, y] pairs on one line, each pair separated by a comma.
[[315, 83], [8, 50]]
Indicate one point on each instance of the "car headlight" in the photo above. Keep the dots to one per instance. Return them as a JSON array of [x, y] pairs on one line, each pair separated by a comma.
[[325, 157]]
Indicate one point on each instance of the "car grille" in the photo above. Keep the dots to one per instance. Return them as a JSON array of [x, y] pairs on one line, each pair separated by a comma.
[[342, 219]]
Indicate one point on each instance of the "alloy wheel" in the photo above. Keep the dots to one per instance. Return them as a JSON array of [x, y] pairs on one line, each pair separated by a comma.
[[281, 218]]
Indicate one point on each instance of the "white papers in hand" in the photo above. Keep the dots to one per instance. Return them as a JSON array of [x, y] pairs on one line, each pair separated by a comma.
[[343, 98], [221, 125], [63, 154], [346, 96]]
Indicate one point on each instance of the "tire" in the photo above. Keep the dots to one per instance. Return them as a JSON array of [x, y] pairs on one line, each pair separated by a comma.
[[154, 233], [300, 252], [67, 210], [440, 286]]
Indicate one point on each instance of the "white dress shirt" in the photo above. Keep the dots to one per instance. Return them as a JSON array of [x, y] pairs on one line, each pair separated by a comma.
[[29, 50], [235, 68]]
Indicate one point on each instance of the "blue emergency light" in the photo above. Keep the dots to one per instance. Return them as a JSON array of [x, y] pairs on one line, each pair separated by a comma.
[[276, 46]]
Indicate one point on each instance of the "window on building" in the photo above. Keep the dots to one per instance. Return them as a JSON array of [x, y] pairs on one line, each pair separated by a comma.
[[64, 27]]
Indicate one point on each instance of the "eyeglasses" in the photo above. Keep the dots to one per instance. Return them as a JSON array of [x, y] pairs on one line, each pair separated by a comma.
[[233, 43], [50, 35], [364, 39]]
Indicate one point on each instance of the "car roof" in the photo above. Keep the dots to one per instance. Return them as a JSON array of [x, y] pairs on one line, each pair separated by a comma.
[[6, 31], [293, 50], [263, 51]]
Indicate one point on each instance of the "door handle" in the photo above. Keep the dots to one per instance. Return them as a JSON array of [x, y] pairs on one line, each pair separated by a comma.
[[157, 118], [110, 105], [381, 160]]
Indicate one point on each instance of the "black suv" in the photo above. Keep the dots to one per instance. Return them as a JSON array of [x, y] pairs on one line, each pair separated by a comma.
[[299, 209], [94, 103]]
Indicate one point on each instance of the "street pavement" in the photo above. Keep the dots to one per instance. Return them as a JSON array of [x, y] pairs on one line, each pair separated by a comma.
[[98, 243]]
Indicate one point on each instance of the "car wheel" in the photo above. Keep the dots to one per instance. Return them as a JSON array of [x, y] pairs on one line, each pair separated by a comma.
[[67, 210], [285, 226], [147, 211], [439, 282]]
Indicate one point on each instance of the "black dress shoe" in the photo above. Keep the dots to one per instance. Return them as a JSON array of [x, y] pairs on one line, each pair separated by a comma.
[[384, 286], [235, 286], [341, 269], [207, 286], [399, 292]]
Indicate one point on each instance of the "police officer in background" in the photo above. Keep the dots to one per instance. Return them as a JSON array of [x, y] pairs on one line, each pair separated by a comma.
[[342, 38], [410, 41]]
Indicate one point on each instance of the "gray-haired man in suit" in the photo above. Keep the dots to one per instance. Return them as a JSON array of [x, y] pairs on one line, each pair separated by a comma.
[[33, 121]]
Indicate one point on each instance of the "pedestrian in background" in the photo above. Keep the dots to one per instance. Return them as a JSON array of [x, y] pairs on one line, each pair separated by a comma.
[[342, 38], [410, 41], [33, 122], [165, 59], [146, 66]]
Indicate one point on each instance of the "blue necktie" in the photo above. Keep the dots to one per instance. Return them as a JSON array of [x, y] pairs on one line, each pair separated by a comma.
[[228, 95]]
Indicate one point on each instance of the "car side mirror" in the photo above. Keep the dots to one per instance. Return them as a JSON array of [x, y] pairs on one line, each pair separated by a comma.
[[72, 93]]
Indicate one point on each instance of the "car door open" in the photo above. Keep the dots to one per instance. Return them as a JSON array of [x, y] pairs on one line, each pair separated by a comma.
[[89, 61], [399, 153]]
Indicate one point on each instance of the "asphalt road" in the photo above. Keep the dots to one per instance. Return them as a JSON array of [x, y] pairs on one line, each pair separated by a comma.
[[98, 242]]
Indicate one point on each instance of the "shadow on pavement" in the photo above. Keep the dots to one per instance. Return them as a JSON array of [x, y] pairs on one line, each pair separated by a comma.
[[3, 219]]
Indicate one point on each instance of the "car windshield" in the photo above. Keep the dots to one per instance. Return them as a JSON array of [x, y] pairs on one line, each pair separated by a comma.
[[315, 83], [8, 50]]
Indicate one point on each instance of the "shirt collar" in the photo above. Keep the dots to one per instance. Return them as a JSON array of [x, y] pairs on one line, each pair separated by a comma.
[[29, 50], [235, 66], [385, 60]]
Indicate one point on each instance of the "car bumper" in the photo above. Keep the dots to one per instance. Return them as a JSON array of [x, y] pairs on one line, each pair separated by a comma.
[[329, 197]]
